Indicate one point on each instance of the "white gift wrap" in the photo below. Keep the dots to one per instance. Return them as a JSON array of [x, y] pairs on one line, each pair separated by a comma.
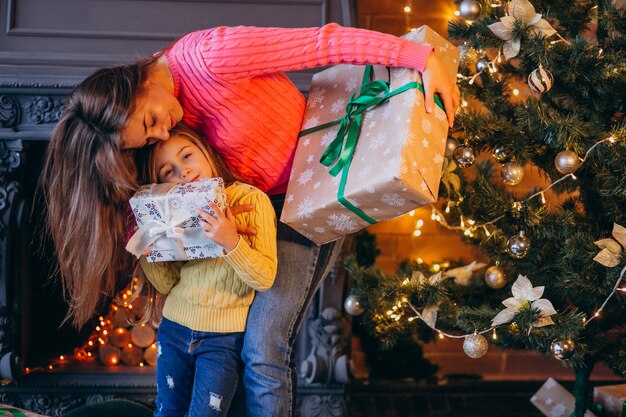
[[398, 159], [167, 220]]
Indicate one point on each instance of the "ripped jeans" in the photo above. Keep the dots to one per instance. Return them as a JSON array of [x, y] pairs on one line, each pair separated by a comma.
[[197, 372]]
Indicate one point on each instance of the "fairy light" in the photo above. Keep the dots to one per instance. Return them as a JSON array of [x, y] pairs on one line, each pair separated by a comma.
[[412, 213], [420, 223], [494, 336], [417, 233], [515, 92], [441, 336], [436, 267], [62, 357], [543, 198], [407, 9]]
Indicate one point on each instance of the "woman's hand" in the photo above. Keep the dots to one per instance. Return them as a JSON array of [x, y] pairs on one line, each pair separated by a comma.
[[436, 80], [220, 228]]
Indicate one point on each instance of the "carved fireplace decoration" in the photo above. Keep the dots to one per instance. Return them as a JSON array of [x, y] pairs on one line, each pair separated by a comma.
[[44, 52]]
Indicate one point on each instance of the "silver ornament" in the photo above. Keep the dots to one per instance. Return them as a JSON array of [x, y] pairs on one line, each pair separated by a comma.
[[451, 145], [470, 9], [540, 80], [353, 305], [567, 161], [481, 64], [518, 245], [495, 277], [475, 346], [464, 156], [562, 349], [512, 173], [500, 155]]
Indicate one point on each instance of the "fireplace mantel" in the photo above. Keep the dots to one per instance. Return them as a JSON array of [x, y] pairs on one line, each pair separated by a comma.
[[46, 48]]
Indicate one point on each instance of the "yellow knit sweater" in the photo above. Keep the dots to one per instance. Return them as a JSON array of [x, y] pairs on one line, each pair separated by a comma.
[[214, 295]]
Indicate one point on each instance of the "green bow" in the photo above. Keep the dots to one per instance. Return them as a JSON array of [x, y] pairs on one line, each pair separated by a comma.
[[341, 150], [14, 411]]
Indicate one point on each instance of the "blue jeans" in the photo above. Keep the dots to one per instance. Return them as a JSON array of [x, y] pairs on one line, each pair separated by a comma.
[[275, 317], [197, 372]]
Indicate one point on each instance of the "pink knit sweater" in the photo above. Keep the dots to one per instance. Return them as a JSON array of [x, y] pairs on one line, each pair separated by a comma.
[[231, 84]]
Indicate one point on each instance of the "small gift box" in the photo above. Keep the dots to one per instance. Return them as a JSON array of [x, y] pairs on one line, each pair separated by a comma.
[[167, 220], [612, 398], [554, 400], [368, 150]]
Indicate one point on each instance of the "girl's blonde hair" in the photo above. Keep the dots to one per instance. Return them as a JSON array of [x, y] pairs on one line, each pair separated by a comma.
[[148, 174]]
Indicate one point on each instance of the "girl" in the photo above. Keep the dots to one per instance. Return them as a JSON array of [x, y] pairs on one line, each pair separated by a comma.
[[207, 300], [229, 84]]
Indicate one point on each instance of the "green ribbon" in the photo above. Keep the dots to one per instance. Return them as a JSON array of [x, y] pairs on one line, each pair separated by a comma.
[[14, 411], [340, 152]]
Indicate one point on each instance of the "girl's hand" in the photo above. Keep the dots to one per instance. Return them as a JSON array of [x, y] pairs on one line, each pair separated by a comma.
[[220, 228], [437, 81], [242, 229]]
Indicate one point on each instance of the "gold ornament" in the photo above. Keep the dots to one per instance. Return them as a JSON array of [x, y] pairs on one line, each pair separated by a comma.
[[464, 156], [353, 305], [470, 9], [475, 346], [540, 80], [495, 277], [512, 173], [518, 245], [567, 161], [451, 145], [500, 155], [562, 349]]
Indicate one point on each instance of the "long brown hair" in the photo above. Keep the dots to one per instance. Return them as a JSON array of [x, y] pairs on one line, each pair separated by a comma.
[[86, 182], [146, 165]]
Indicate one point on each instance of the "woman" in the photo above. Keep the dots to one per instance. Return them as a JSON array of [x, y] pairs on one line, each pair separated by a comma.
[[229, 84]]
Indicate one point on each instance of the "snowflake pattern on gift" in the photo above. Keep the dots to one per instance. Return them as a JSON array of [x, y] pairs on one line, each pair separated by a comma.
[[339, 106], [351, 84], [396, 167], [331, 73], [427, 126], [317, 185], [328, 137], [399, 72], [289, 198], [409, 98], [316, 97], [438, 158], [305, 176], [440, 114], [365, 173], [319, 229], [425, 143], [386, 112], [393, 199], [342, 222], [310, 158], [311, 122], [305, 208], [377, 141], [558, 410]]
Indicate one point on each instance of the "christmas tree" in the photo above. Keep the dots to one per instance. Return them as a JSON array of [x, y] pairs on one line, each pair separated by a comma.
[[544, 88]]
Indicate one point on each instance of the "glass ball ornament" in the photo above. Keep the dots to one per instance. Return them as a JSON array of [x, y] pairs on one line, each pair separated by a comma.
[[470, 9], [464, 156], [500, 155], [469, 55], [475, 346], [354, 305], [567, 161], [512, 173], [495, 277], [451, 145], [518, 246], [481, 64], [540, 80], [562, 349]]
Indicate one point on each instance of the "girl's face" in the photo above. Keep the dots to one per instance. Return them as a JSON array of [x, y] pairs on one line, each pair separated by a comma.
[[179, 160], [156, 112]]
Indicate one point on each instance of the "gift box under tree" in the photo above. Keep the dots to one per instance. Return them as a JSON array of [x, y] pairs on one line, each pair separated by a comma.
[[167, 220], [337, 186], [612, 398], [553, 400]]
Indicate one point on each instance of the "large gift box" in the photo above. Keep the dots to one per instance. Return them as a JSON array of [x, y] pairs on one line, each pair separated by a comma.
[[553, 400], [368, 150], [167, 220], [612, 398]]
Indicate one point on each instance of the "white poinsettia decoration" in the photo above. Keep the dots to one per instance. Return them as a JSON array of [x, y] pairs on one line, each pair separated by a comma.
[[611, 253], [463, 274], [519, 12], [429, 314], [525, 296], [434, 279]]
